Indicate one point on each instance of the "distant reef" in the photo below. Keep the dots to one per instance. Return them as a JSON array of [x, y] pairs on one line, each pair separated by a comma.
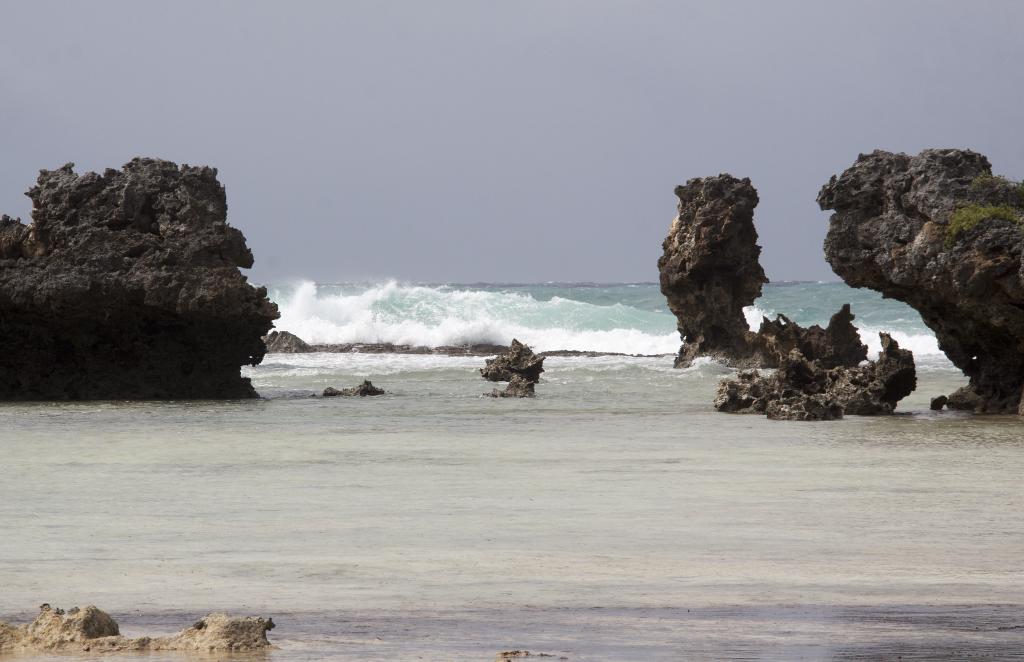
[[940, 232], [126, 285], [285, 342]]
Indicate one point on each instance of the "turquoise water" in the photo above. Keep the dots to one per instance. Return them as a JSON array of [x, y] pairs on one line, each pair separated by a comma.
[[629, 318], [616, 516]]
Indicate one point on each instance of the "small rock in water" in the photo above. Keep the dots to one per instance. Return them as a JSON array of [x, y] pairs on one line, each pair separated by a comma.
[[519, 359], [283, 342], [938, 403], [366, 388], [508, 656], [965, 399], [518, 366]]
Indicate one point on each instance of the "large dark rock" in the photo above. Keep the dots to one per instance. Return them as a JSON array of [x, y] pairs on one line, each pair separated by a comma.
[[891, 232], [127, 286], [709, 272], [808, 390], [709, 269]]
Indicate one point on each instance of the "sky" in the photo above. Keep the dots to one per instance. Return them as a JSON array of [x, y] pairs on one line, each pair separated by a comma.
[[489, 141]]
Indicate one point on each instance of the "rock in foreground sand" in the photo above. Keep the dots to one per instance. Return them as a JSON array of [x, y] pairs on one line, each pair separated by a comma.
[[92, 630]]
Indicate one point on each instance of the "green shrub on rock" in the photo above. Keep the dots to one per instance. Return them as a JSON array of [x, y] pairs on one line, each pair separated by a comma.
[[968, 216]]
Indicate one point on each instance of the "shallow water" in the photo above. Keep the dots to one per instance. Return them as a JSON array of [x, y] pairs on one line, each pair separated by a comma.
[[614, 517]]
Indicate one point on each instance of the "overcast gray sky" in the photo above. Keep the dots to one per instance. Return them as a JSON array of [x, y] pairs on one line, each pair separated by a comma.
[[503, 141]]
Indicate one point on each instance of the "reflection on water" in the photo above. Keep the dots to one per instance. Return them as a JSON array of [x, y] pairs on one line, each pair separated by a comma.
[[615, 517]]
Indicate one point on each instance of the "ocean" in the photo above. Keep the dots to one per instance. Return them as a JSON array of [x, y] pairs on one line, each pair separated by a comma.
[[616, 516]]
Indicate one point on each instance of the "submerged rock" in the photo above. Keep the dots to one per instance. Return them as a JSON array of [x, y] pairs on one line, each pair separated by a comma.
[[126, 285], [518, 387], [510, 656], [808, 390], [940, 233], [364, 389], [965, 399], [92, 630], [518, 366]]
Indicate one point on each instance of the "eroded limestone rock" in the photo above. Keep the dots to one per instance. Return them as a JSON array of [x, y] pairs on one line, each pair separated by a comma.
[[891, 232], [808, 390], [709, 269], [126, 285], [518, 359], [92, 630], [709, 272], [518, 366]]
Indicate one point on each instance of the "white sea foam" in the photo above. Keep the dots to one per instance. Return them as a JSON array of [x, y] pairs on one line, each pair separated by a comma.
[[755, 314], [921, 344], [433, 316]]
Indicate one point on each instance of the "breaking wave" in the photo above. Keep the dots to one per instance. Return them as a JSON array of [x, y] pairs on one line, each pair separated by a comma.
[[435, 316], [625, 318]]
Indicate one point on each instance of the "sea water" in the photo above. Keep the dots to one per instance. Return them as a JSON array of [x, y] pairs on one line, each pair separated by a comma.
[[616, 516]]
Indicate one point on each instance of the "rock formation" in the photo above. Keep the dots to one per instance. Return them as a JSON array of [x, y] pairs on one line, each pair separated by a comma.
[[838, 344], [283, 342], [709, 269], [93, 630], [364, 389], [709, 273], [942, 234], [518, 366], [808, 390], [126, 285]]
